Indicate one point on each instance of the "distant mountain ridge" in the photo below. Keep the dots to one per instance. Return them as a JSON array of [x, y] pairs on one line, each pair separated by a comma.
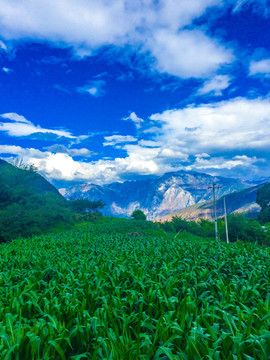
[[156, 196]]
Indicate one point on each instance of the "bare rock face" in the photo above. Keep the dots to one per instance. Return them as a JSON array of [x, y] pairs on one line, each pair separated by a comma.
[[156, 197]]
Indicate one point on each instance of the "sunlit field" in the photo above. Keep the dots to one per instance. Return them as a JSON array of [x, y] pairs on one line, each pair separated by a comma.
[[128, 291]]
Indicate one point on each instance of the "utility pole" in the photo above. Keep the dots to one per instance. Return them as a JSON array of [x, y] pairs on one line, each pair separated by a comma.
[[214, 187], [226, 223]]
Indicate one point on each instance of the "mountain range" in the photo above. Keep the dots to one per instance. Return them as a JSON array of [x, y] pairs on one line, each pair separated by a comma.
[[157, 196]]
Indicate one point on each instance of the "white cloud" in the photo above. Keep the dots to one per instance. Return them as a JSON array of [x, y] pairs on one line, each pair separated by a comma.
[[7, 70], [62, 166], [3, 46], [59, 148], [257, 5], [225, 126], [203, 155], [219, 138], [149, 143], [19, 126], [118, 139], [58, 166], [15, 117], [151, 130], [215, 85], [188, 53], [261, 67], [22, 152], [94, 88], [172, 153], [135, 119], [219, 163], [155, 27]]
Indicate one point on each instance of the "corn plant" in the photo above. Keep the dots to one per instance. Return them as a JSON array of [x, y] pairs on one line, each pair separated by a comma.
[[117, 291]]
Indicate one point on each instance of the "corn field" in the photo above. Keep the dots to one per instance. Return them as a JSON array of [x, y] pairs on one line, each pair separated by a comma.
[[93, 294]]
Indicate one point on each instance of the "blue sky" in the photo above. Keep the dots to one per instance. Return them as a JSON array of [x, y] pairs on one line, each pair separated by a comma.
[[104, 91]]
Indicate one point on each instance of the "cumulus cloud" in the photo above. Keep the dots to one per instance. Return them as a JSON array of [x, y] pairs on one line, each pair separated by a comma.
[[15, 117], [59, 148], [135, 119], [203, 155], [157, 28], [219, 138], [215, 86], [7, 70], [61, 166], [149, 143], [3, 46], [235, 124], [239, 166], [19, 126], [118, 139], [202, 163], [54, 165], [22, 152], [260, 68], [186, 53], [94, 88]]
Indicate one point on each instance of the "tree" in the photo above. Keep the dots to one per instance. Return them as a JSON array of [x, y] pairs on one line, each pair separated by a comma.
[[180, 224], [244, 229], [263, 199], [6, 195], [138, 215], [82, 206]]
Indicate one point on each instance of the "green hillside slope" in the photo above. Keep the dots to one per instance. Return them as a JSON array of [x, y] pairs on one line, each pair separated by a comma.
[[27, 179], [29, 204]]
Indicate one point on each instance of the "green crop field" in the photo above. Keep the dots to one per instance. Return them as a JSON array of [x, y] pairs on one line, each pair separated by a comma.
[[124, 291]]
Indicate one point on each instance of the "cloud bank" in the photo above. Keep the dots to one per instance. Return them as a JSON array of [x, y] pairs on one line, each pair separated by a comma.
[[218, 138], [155, 28]]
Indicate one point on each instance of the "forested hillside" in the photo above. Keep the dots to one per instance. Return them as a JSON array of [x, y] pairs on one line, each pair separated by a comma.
[[29, 204]]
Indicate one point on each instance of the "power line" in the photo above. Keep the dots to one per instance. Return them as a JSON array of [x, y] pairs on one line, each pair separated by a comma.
[[226, 223], [214, 187]]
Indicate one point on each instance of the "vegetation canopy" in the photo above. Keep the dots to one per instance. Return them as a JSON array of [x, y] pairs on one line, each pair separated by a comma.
[[240, 228], [29, 204], [263, 199], [125, 290], [138, 215], [83, 206]]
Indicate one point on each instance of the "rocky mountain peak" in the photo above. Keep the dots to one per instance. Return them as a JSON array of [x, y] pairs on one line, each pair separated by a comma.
[[156, 196]]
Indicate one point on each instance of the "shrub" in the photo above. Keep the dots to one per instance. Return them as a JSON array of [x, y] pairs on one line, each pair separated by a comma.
[[138, 215]]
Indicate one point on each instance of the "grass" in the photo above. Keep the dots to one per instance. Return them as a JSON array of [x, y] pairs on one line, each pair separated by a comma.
[[124, 290]]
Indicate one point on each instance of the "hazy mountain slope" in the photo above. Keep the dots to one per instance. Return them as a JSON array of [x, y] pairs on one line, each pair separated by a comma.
[[156, 197], [240, 201]]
